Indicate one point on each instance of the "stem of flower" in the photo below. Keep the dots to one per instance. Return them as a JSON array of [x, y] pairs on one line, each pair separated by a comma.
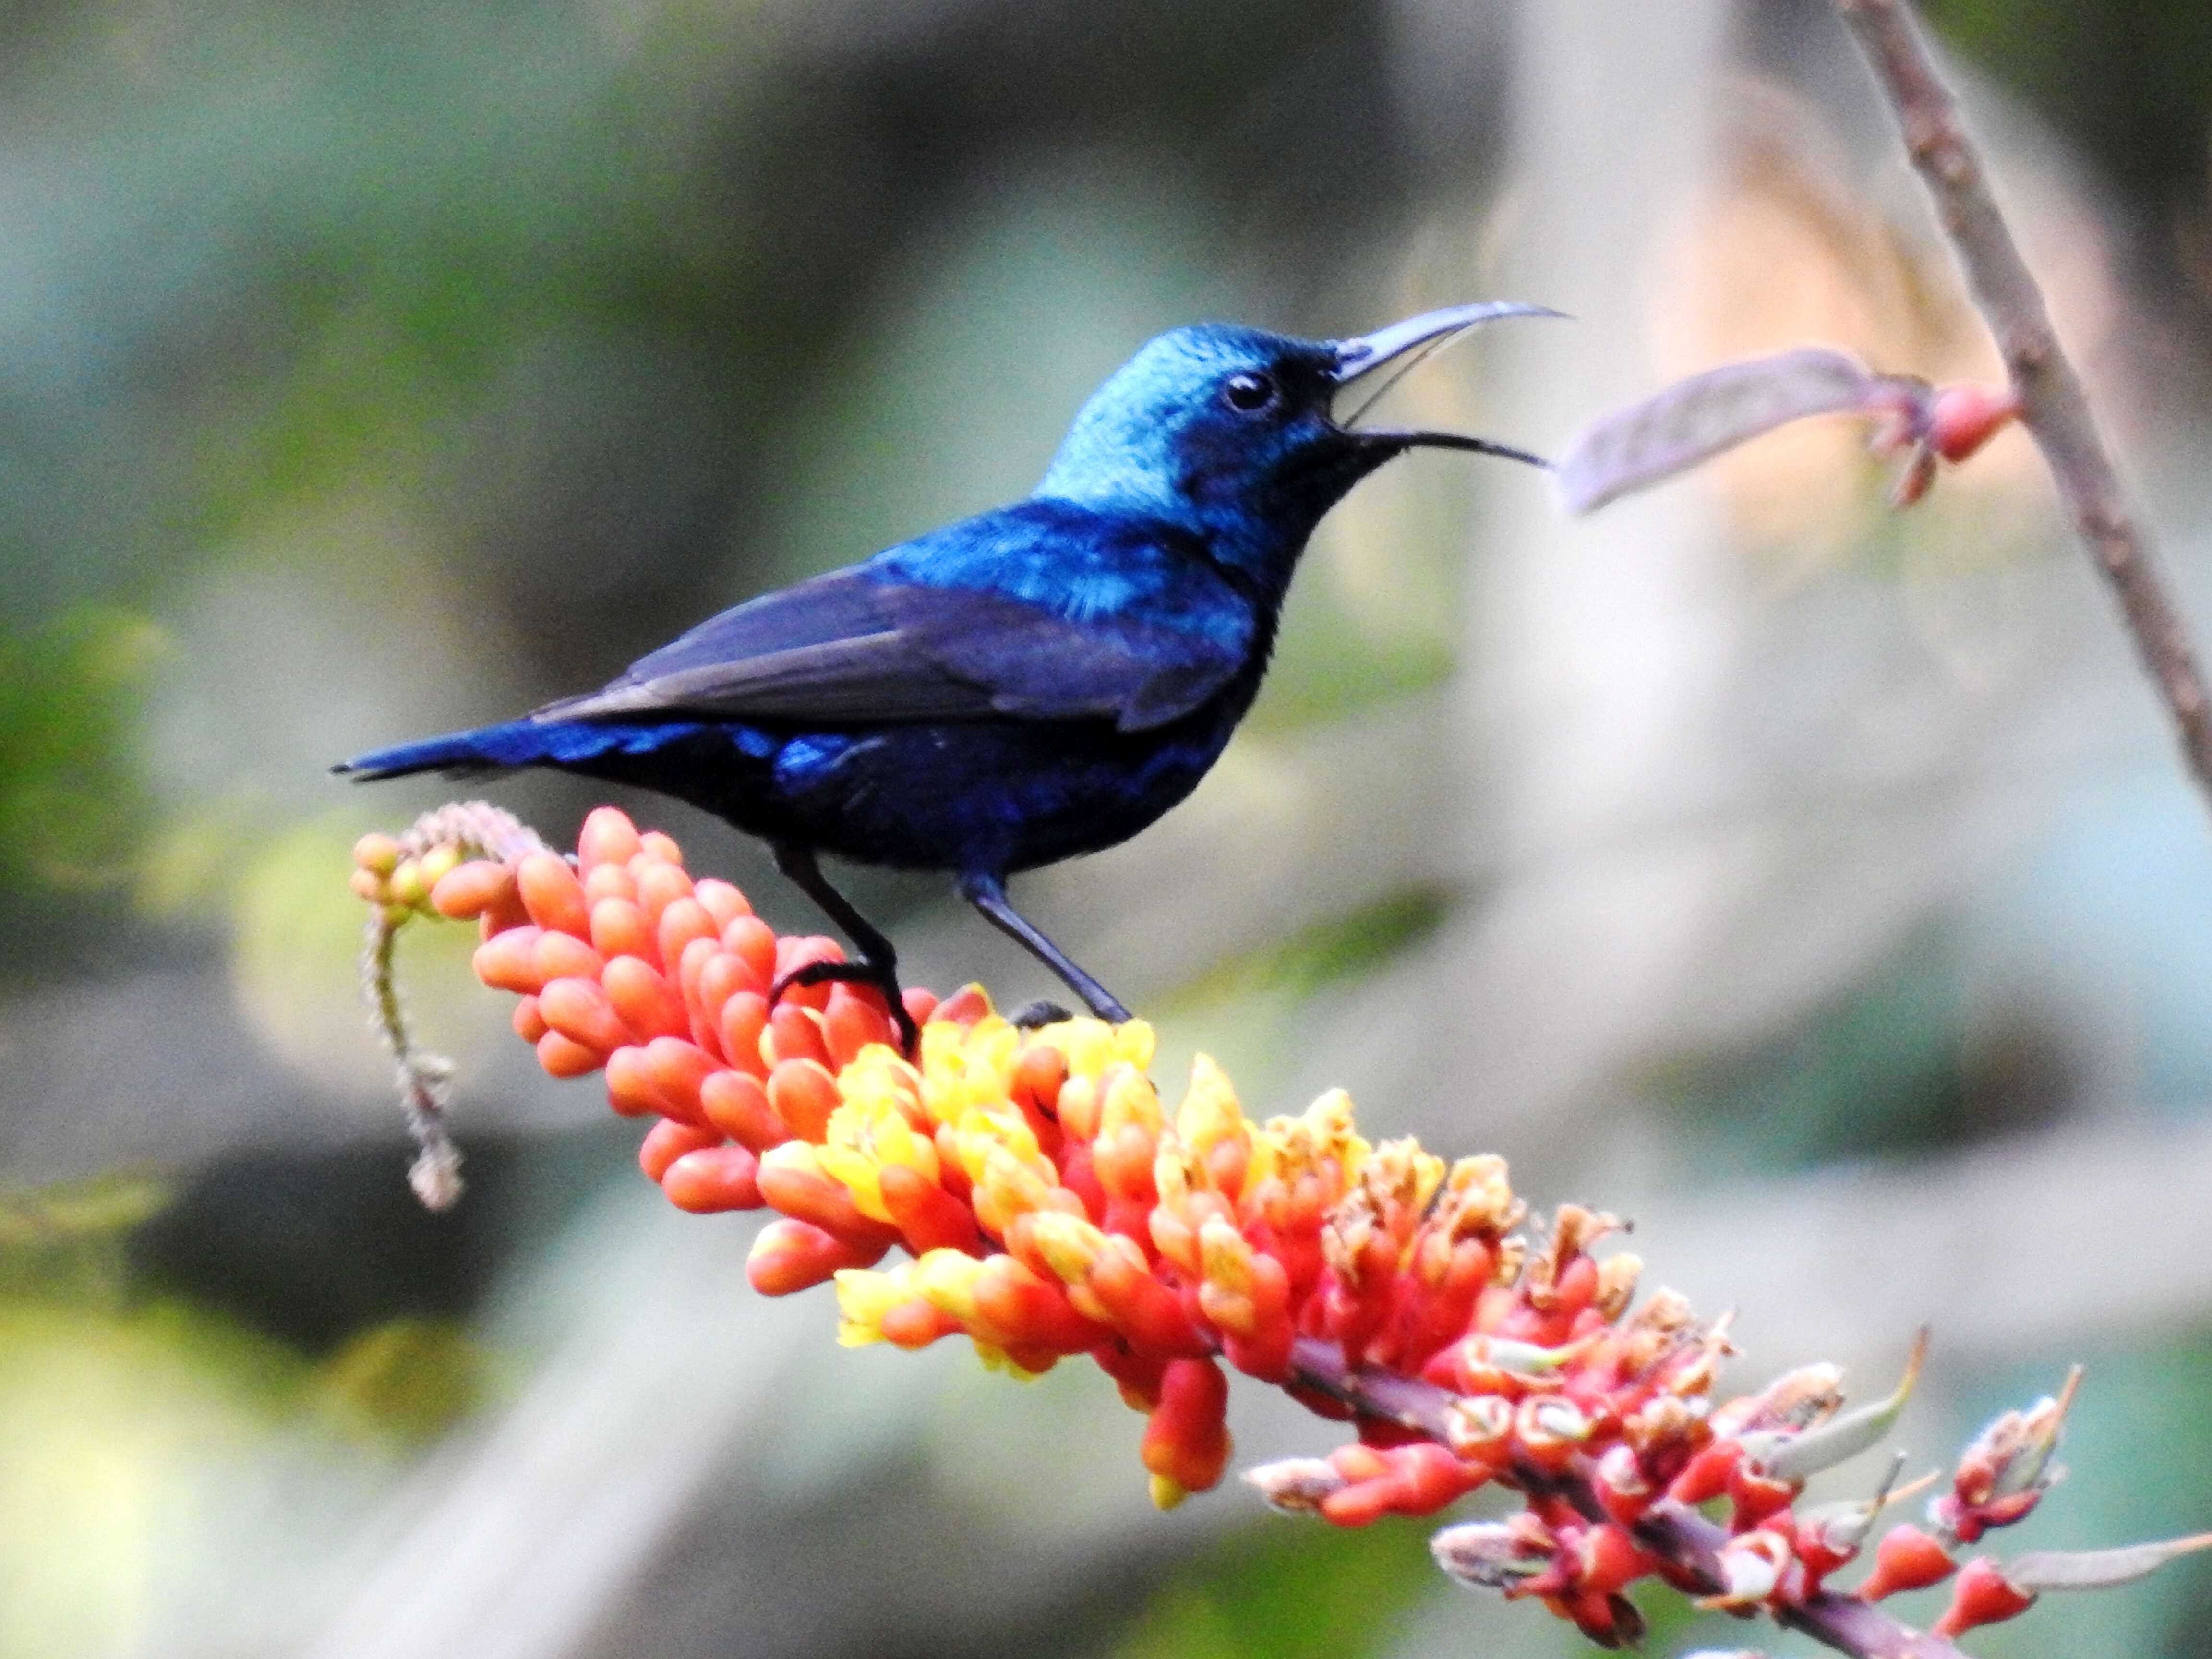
[[1682, 1537], [2054, 408]]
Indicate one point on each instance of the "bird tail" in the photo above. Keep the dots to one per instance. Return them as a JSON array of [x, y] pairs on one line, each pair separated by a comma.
[[584, 747]]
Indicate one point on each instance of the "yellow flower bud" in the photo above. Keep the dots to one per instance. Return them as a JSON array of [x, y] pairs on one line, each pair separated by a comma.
[[378, 855]]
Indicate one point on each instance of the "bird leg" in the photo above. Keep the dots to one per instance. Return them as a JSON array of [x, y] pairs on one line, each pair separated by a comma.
[[987, 893], [879, 962]]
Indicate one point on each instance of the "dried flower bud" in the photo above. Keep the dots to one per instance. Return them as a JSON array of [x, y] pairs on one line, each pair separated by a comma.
[[1491, 1554], [2006, 1469], [1296, 1486]]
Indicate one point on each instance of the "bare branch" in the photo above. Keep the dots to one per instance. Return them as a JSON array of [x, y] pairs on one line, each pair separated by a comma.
[[2054, 409]]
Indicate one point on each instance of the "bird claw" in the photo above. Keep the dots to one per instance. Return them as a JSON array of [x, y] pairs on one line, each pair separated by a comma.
[[1042, 1012], [854, 973]]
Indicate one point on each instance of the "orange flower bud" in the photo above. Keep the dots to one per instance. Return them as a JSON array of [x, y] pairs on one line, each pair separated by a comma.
[[378, 855], [793, 954], [795, 1033], [916, 1324], [1025, 1310], [465, 892], [743, 1022], [579, 1010], [609, 881], [562, 956], [921, 1004], [667, 1141], [852, 1020], [1038, 1076], [1148, 1312], [691, 962], [631, 1088], [504, 912], [684, 920], [964, 1006], [1122, 1158], [803, 1095], [507, 962], [529, 1022], [791, 1256], [552, 895], [715, 1179], [1413, 1479], [660, 884], [725, 902], [928, 1217], [793, 1180], [752, 941], [648, 1004], [562, 1057], [722, 976], [620, 928], [735, 1103], [678, 1069], [660, 847], [608, 837]]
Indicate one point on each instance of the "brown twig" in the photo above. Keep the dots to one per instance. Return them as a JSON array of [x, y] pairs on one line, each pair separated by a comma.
[[1682, 1537], [2054, 407]]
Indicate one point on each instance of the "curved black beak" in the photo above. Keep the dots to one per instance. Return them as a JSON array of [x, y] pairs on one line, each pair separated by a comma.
[[1406, 344]]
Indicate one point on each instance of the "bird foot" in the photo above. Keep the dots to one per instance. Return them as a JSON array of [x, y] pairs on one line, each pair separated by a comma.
[[855, 973], [1042, 1012]]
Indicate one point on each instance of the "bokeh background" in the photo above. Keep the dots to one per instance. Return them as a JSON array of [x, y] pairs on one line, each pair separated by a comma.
[[1815, 885]]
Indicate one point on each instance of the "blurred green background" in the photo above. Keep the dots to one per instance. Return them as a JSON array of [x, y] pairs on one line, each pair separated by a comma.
[[1815, 885]]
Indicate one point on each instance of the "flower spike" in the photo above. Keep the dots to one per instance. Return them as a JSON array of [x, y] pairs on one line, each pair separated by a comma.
[[1046, 1205]]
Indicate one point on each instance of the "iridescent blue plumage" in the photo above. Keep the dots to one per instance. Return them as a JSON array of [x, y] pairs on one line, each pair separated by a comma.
[[1035, 682]]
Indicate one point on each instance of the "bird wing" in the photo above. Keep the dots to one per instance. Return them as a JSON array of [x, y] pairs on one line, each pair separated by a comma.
[[871, 643]]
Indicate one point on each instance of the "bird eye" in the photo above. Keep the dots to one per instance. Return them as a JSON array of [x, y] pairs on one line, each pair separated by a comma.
[[1250, 392]]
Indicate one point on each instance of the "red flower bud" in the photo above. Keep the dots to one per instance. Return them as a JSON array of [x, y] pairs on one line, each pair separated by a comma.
[[1907, 1558], [1965, 417], [1186, 1444], [1983, 1595]]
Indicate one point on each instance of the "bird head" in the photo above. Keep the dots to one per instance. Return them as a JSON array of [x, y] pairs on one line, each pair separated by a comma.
[[1236, 433]]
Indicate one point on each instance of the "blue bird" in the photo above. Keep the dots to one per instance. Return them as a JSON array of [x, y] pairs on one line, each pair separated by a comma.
[[1040, 681]]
